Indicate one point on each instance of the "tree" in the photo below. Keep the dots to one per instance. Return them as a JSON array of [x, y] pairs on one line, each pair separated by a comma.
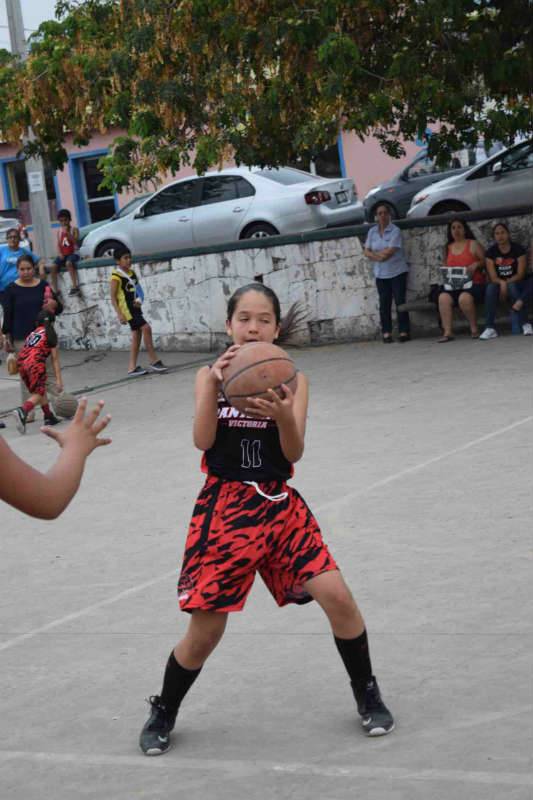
[[264, 81]]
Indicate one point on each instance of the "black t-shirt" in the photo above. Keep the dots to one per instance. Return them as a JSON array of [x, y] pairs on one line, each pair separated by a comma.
[[246, 449], [21, 306], [506, 263]]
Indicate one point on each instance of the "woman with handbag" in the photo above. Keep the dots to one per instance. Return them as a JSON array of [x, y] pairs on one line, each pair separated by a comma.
[[463, 279]]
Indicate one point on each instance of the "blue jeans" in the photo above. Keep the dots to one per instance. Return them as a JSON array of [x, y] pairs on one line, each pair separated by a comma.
[[492, 295], [387, 289]]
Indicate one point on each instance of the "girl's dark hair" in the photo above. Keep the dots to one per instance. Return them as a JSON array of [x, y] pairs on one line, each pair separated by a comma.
[[288, 324], [64, 212], [501, 225], [25, 257], [46, 318], [468, 231]]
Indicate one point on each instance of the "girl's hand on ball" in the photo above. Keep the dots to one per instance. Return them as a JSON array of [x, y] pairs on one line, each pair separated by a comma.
[[222, 362], [276, 407], [82, 433]]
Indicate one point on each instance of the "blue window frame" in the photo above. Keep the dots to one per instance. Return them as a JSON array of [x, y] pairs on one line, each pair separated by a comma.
[[91, 205]]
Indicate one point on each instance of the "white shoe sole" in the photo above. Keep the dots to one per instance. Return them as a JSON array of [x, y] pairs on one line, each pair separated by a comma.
[[18, 422], [380, 731]]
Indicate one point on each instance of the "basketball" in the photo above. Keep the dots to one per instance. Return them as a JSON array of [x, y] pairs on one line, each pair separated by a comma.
[[65, 405], [257, 367]]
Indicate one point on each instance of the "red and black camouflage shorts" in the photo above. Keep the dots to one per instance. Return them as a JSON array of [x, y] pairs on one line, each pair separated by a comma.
[[236, 530], [34, 376]]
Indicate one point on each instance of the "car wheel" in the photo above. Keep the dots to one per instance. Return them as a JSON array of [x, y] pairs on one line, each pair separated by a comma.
[[259, 230], [448, 207], [392, 211], [107, 248]]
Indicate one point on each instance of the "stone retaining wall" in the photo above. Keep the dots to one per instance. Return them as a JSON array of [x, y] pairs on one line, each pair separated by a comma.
[[186, 293]]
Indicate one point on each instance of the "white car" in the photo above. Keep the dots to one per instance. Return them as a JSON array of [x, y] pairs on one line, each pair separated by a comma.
[[503, 180], [225, 206]]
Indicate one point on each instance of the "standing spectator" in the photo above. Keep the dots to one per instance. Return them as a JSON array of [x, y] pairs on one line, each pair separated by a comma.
[[464, 278], [384, 248], [9, 255], [126, 297], [68, 238], [506, 267], [23, 300]]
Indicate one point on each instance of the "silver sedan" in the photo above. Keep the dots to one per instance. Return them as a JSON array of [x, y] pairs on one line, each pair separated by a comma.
[[225, 206], [504, 180]]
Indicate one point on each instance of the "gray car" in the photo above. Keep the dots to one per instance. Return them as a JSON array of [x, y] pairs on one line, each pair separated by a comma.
[[225, 206], [504, 180], [423, 170]]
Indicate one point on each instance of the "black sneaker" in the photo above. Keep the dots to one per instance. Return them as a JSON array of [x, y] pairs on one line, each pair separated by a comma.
[[137, 372], [157, 366], [155, 736], [51, 420], [376, 718], [20, 419]]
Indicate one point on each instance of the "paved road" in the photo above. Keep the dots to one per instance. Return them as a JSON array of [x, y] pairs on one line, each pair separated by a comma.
[[419, 467]]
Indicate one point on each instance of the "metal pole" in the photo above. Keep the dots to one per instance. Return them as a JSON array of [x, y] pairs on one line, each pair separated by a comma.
[[40, 211]]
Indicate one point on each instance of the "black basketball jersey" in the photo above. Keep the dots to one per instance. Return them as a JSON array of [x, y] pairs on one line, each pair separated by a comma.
[[245, 449]]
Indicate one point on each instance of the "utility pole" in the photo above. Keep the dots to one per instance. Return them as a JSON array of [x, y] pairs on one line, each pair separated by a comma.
[[40, 212]]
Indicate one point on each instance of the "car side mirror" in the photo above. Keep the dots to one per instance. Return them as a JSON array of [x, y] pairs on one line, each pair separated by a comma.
[[497, 168], [140, 214], [405, 176]]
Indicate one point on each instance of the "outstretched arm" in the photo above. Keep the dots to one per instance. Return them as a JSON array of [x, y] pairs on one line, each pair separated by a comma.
[[45, 496]]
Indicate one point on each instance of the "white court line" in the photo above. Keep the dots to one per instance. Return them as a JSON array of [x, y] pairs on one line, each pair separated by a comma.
[[319, 508], [238, 769], [349, 496], [77, 614]]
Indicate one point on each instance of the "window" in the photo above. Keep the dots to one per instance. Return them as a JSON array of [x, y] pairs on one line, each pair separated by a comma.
[[217, 190], [176, 197], [424, 166], [520, 157], [100, 202], [285, 175], [226, 187], [244, 188]]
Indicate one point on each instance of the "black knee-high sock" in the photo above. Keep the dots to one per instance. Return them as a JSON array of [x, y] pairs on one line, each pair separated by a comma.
[[356, 658], [176, 683]]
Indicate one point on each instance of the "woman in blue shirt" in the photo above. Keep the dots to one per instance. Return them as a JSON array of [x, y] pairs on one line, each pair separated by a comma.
[[384, 248]]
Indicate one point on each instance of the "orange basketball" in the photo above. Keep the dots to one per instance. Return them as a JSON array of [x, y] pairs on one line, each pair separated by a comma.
[[257, 367]]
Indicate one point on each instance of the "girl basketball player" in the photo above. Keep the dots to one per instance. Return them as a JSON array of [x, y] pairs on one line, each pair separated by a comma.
[[247, 519], [31, 362]]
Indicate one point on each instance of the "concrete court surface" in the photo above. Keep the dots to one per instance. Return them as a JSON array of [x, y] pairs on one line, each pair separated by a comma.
[[419, 468]]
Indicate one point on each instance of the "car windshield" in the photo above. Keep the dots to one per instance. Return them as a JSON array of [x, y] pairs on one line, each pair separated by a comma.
[[132, 205], [286, 175]]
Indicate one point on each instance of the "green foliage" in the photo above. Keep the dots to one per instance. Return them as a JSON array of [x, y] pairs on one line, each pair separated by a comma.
[[264, 81]]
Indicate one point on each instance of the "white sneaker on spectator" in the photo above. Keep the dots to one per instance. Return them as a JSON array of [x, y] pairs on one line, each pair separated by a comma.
[[527, 329], [489, 333]]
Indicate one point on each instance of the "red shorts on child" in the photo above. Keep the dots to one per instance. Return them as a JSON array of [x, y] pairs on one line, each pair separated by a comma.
[[34, 376], [238, 529]]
